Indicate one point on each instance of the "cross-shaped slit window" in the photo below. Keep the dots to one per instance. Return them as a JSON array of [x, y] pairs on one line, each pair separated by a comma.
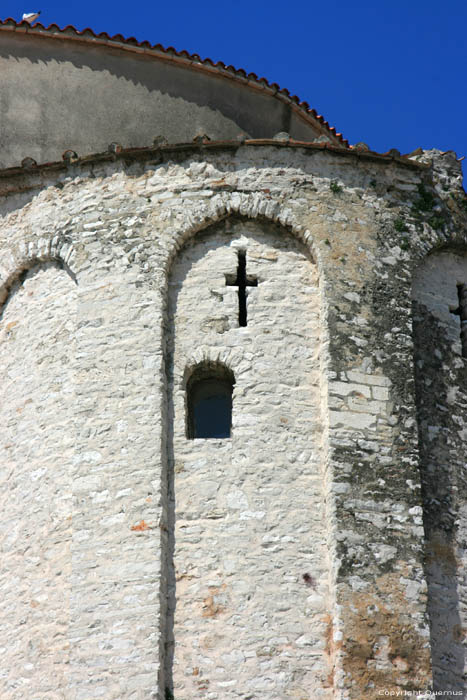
[[461, 311], [242, 281]]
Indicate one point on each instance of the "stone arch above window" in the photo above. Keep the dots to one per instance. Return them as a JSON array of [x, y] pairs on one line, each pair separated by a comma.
[[439, 295], [209, 392]]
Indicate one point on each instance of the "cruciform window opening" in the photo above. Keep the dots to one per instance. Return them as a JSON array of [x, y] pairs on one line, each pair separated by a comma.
[[242, 281], [461, 311]]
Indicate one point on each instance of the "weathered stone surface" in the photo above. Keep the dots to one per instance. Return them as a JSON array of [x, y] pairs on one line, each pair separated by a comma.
[[245, 618], [37, 356], [127, 281], [442, 415]]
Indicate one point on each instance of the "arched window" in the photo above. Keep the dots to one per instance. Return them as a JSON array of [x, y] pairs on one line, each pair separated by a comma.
[[209, 401]]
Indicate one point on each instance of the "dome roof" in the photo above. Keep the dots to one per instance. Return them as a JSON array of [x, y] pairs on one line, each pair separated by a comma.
[[69, 89]]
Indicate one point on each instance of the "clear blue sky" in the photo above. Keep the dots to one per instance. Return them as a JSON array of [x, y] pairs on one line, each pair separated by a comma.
[[390, 73]]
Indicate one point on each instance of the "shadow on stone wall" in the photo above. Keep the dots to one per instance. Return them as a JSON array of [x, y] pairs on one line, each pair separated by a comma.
[[437, 372], [171, 585]]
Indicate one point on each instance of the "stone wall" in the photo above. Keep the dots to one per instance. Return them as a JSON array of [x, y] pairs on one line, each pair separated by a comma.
[[37, 448], [350, 226], [249, 511], [442, 415]]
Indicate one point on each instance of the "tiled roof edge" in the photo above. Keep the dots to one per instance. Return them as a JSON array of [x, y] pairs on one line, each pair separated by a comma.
[[171, 54]]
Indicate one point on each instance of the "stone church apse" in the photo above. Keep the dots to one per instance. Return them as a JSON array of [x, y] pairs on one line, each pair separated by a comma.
[[233, 388]]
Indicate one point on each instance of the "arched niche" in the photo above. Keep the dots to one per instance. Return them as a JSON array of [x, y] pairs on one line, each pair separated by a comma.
[[246, 514], [441, 395], [36, 444]]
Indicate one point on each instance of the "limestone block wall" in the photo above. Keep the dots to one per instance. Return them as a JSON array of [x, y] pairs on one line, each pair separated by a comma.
[[115, 627], [37, 349], [251, 566], [442, 416], [352, 226]]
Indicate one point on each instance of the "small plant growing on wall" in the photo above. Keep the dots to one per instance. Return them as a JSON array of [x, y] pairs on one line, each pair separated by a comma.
[[425, 201], [424, 205], [436, 222], [460, 200], [400, 226], [335, 187]]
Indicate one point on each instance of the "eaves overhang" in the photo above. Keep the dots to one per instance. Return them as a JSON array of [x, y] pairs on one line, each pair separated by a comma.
[[164, 152]]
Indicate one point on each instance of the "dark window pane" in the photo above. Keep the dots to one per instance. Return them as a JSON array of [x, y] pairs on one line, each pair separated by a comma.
[[209, 404], [212, 417]]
